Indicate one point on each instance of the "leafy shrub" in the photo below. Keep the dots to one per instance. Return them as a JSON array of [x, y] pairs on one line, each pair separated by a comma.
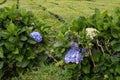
[[98, 35], [101, 60], [44, 73], [18, 51]]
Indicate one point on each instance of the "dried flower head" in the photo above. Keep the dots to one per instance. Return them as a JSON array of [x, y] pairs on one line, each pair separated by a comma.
[[91, 32]]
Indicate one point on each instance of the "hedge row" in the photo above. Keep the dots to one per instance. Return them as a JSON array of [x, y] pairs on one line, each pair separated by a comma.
[[87, 48]]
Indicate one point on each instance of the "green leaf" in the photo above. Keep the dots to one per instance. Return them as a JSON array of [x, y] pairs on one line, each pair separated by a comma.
[[1, 42], [115, 58], [20, 44], [117, 69], [115, 32], [106, 26], [9, 46], [30, 14], [97, 12], [71, 66], [104, 14], [75, 26], [19, 58], [85, 61], [1, 52], [116, 45], [96, 56], [23, 64], [118, 78], [78, 24], [16, 51], [4, 34], [12, 39], [1, 64], [64, 27], [86, 68], [31, 41], [58, 44], [12, 29], [31, 56], [23, 38], [61, 35], [1, 73], [20, 31]]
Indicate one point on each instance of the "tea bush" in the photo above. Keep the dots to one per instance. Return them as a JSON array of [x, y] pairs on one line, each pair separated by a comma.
[[18, 49]]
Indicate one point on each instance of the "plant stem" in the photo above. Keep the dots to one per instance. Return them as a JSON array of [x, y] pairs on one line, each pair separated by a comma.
[[90, 54], [100, 47]]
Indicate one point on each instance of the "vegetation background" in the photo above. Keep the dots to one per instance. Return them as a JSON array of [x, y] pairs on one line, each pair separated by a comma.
[[66, 9], [64, 13]]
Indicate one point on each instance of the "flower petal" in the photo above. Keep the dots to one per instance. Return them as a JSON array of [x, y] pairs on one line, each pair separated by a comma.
[[36, 36]]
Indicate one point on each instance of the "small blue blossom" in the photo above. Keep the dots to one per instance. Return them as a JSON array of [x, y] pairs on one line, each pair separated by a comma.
[[75, 45], [74, 55], [36, 36], [82, 50]]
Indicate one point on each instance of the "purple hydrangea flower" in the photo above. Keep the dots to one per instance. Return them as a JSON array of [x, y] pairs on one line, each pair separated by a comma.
[[74, 55], [36, 36]]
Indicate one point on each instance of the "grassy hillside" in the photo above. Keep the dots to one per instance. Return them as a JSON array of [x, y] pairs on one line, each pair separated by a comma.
[[58, 11]]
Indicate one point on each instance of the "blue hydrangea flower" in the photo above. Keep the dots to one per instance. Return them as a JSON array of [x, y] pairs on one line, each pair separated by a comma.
[[82, 50], [74, 55], [36, 36]]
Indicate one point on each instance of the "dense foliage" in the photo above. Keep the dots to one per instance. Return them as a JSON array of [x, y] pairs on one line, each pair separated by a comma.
[[45, 56], [18, 50], [102, 57]]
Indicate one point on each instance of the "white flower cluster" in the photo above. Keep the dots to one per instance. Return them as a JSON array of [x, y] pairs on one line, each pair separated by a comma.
[[91, 32]]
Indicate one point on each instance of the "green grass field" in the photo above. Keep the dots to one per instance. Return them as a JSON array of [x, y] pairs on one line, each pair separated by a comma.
[[66, 10]]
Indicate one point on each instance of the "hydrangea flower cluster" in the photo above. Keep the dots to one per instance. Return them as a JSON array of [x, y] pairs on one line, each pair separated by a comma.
[[92, 32], [36, 36], [74, 55]]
